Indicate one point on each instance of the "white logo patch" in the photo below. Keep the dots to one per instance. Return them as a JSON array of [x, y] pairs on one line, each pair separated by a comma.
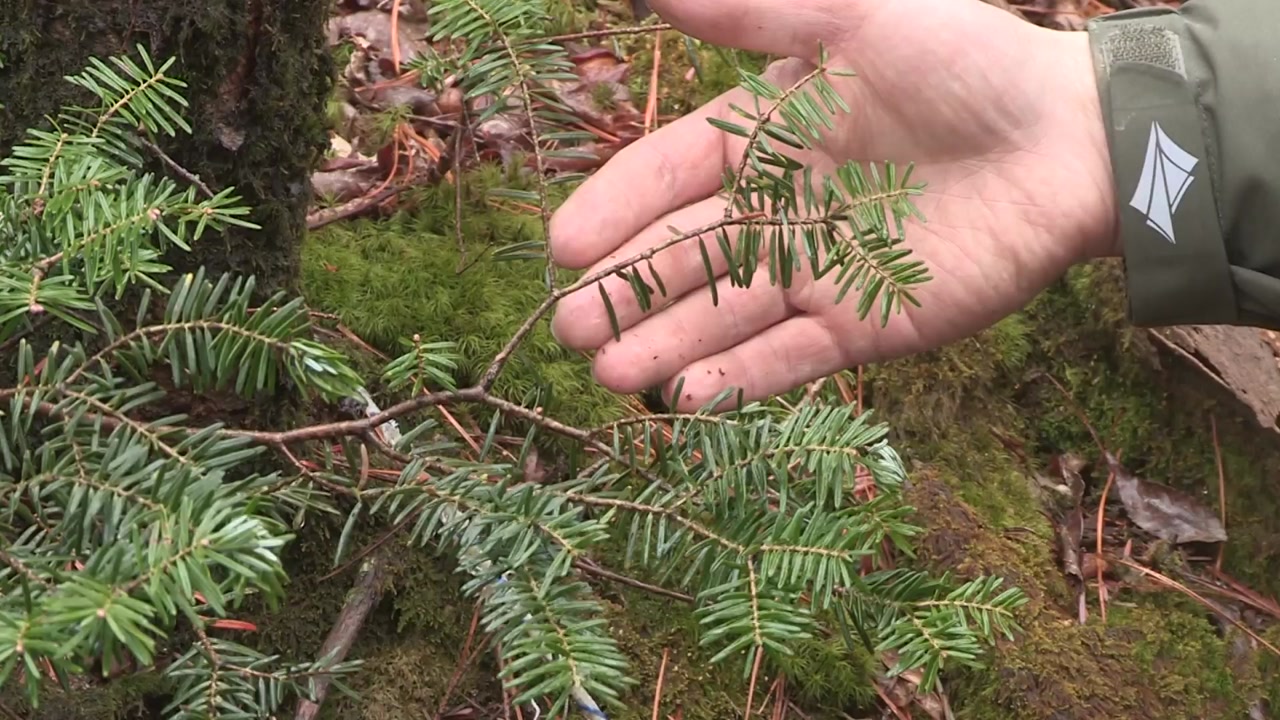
[[1166, 175]]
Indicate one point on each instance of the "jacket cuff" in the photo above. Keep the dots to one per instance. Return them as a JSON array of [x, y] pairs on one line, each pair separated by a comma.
[[1158, 133]]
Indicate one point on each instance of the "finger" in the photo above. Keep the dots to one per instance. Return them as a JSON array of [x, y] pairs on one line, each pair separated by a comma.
[[676, 165], [691, 329], [792, 28], [582, 321], [786, 355]]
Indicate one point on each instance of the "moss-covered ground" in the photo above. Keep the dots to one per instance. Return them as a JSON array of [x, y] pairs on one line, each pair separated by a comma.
[[1158, 655]]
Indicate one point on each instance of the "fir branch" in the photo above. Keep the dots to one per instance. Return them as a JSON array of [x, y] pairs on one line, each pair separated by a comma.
[[753, 137], [747, 510]]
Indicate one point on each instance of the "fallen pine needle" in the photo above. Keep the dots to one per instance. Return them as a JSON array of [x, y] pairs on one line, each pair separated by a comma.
[[1102, 509], [651, 107], [395, 34], [1170, 582], [662, 673], [1222, 488]]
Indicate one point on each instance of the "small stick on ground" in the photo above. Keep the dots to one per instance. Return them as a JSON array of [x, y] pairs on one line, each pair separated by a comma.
[[815, 387], [9, 713], [796, 709], [363, 596], [351, 208], [1222, 488], [662, 674], [182, 172], [506, 698], [598, 34]]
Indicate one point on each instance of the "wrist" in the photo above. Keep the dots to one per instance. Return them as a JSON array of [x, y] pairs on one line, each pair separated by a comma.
[[1100, 230]]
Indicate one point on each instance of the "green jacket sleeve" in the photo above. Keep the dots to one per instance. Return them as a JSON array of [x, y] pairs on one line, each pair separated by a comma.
[[1191, 100]]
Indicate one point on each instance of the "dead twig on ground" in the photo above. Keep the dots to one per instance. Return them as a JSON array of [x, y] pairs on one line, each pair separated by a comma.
[[363, 596], [351, 208]]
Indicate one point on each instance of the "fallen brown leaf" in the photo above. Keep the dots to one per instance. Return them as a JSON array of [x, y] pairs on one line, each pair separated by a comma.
[[1167, 513]]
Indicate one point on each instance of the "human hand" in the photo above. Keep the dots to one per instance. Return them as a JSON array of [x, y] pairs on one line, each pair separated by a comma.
[[1001, 119]]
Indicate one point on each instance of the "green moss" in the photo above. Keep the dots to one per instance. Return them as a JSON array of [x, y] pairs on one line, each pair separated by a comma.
[[393, 278], [979, 418], [1185, 659], [130, 697], [1155, 411], [1147, 662], [950, 407], [826, 675], [1158, 656]]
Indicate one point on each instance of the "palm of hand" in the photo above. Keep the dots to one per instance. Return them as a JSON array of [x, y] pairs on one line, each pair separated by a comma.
[[1014, 191]]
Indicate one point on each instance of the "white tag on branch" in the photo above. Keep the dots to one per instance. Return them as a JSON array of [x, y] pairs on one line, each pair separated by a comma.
[[389, 430]]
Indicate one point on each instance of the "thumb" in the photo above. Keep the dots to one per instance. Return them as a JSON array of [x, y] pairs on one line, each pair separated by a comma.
[[792, 28]]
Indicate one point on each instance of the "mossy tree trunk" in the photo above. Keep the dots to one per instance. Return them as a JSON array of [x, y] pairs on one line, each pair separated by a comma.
[[258, 76]]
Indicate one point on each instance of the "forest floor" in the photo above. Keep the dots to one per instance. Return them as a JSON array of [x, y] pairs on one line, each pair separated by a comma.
[[998, 429], [1008, 479]]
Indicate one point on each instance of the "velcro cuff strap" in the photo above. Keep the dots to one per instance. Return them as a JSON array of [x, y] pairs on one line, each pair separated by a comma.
[[1175, 257]]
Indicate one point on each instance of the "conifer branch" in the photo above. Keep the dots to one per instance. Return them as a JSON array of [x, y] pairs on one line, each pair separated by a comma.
[[747, 511]]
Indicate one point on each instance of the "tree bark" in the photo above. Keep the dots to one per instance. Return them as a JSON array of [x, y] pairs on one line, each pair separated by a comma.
[[258, 78]]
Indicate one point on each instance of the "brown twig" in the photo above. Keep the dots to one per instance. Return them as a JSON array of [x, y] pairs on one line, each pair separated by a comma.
[[182, 172], [1111, 461], [21, 568], [888, 701], [780, 699], [457, 195], [751, 684], [361, 599], [662, 674], [504, 356], [860, 405], [351, 208], [592, 569]]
